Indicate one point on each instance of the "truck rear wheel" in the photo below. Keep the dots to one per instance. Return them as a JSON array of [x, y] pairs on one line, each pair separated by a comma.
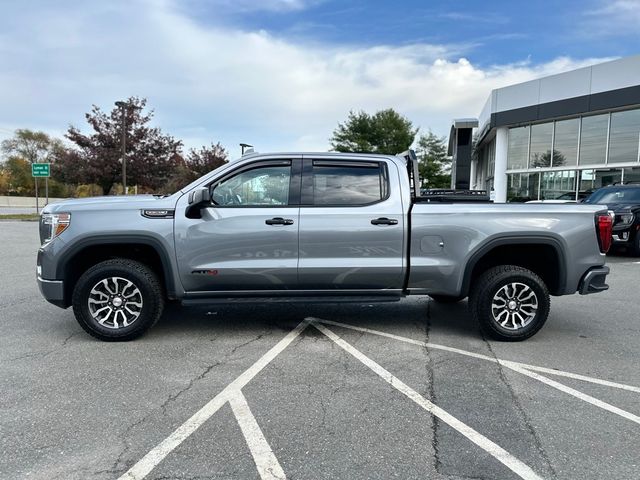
[[509, 302], [118, 300]]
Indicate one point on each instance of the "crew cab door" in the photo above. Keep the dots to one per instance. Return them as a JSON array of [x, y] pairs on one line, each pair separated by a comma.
[[247, 239], [351, 226]]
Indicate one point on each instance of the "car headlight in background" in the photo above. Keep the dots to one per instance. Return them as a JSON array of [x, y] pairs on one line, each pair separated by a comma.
[[625, 218], [52, 225]]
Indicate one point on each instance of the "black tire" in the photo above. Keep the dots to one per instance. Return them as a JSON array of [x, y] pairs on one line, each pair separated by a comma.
[[147, 292], [446, 298], [494, 287]]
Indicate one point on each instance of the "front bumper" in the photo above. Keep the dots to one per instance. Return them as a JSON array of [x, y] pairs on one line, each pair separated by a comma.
[[594, 281], [52, 291]]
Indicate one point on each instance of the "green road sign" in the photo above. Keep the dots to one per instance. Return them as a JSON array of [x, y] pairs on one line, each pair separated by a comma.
[[40, 170]]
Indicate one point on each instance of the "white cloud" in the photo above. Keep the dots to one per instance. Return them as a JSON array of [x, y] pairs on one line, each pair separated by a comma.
[[219, 83], [613, 17]]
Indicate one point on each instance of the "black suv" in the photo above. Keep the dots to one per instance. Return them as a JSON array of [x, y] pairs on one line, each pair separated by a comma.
[[624, 201]]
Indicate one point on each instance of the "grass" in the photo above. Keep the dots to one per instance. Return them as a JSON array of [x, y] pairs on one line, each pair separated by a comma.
[[27, 217]]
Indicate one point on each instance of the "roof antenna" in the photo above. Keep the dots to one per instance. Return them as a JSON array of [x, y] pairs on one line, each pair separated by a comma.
[[246, 148]]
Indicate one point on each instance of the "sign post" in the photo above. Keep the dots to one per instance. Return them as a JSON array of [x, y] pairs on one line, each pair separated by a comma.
[[41, 170]]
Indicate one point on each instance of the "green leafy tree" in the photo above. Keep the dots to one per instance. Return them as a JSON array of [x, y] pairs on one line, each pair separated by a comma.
[[17, 171], [385, 132], [32, 146], [20, 151], [96, 157], [433, 162]]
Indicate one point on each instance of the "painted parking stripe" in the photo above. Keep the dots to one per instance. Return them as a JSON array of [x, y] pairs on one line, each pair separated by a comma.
[[507, 459], [573, 392], [164, 448], [521, 368], [266, 462], [467, 353]]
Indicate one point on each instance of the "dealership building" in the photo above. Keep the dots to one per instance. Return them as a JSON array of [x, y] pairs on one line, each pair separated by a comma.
[[560, 136]]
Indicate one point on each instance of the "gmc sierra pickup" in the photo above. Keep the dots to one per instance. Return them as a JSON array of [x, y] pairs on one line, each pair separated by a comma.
[[316, 227]]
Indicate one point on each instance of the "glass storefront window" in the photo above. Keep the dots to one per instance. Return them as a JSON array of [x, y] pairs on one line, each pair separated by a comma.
[[522, 187], [591, 180], [558, 185], [518, 147], [624, 137], [540, 152], [565, 143], [632, 175], [593, 139]]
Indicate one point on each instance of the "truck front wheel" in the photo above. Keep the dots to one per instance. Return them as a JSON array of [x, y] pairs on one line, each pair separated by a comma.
[[118, 300], [509, 302]]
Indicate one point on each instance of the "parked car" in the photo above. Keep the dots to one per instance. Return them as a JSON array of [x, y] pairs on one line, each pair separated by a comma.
[[316, 227], [624, 201]]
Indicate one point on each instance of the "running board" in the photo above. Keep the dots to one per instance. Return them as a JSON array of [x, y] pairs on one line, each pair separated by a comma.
[[190, 302]]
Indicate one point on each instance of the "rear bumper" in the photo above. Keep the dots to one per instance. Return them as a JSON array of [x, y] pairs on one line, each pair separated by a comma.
[[594, 281], [52, 291]]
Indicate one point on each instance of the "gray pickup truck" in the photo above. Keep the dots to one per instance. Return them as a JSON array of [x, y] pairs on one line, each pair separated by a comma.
[[315, 227]]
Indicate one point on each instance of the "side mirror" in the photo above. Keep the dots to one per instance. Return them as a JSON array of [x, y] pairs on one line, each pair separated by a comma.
[[199, 197]]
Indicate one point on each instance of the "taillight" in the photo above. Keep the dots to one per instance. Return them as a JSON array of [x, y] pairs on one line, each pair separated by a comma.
[[604, 229]]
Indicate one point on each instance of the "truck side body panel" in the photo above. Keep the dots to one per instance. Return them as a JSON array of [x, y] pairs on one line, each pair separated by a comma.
[[446, 239]]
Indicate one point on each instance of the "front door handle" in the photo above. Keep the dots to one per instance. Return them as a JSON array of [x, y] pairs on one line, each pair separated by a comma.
[[279, 221], [384, 221]]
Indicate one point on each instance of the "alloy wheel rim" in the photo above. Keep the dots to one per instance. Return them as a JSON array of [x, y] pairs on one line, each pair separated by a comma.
[[514, 306], [115, 302]]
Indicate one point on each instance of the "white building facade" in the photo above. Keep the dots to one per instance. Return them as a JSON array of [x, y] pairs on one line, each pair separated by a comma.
[[560, 136]]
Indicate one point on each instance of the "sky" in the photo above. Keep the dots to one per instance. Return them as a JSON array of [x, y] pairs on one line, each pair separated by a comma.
[[281, 74]]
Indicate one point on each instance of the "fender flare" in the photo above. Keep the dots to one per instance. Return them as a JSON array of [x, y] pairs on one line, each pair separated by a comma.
[[524, 239], [97, 240]]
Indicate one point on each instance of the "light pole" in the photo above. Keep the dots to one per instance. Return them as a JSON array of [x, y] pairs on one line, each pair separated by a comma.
[[125, 107]]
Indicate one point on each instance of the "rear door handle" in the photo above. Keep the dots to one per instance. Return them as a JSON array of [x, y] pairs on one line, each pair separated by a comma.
[[279, 221], [384, 221]]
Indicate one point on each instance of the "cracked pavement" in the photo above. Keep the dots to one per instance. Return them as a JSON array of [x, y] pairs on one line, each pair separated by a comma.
[[75, 408]]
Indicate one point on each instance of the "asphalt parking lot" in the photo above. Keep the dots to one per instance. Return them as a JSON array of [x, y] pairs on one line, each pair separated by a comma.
[[401, 390]]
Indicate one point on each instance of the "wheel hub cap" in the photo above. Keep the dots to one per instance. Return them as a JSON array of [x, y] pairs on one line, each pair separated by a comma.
[[514, 306], [115, 302]]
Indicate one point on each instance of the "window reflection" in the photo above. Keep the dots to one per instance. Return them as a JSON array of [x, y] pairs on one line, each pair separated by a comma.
[[565, 143], [540, 152], [593, 139], [558, 185], [518, 147], [624, 137]]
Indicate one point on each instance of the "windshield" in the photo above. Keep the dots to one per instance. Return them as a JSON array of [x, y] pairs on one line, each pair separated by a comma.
[[617, 195]]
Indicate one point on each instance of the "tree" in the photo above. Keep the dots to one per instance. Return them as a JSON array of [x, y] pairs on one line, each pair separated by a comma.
[[20, 151], [196, 164], [385, 132], [433, 162], [32, 146], [206, 159], [544, 159], [96, 158]]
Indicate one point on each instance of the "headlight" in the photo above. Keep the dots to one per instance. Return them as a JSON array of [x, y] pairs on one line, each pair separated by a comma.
[[626, 218], [52, 225]]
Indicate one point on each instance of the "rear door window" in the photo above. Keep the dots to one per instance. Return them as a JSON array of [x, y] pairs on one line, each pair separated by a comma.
[[348, 184]]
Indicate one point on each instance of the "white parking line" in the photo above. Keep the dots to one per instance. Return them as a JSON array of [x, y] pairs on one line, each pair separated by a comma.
[[268, 466], [508, 460], [521, 368], [436, 346], [570, 391], [147, 463]]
